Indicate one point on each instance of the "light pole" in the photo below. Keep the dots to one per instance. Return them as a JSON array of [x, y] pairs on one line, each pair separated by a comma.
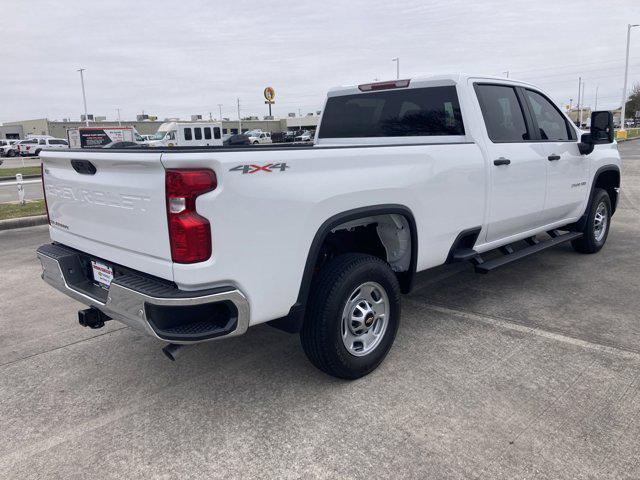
[[626, 73], [119, 122], [596, 102], [84, 97], [220, 108], [506, 74], [239, 119], [578, 106], [397, 60]]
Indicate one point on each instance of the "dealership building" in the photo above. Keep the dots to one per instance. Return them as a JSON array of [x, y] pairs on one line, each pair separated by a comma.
[[43, 126]]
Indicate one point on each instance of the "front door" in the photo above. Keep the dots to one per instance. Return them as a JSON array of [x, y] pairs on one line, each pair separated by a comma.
[[518, 165], [566, 168]]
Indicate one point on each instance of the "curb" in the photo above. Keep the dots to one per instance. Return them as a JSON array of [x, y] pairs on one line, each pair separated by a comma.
[[23, 222]]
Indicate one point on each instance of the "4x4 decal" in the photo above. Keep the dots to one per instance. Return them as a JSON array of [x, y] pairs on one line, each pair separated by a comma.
[[269, 168]]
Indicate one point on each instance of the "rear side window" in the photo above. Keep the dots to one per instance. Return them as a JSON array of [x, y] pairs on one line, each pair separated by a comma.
[[58, 142], [429, 111], [216, 133], [207, 133], [198, 133], [187, 134], [551, 123], [502, 114]]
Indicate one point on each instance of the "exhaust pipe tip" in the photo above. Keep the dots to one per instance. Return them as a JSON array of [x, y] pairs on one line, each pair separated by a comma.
[[173, 351]]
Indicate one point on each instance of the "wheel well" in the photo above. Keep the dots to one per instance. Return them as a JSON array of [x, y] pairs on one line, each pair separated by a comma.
[[385, 231], [385, 236], [610, 181]]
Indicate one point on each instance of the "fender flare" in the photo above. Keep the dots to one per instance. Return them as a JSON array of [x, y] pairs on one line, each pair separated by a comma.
[[579, 225], [293, 321]]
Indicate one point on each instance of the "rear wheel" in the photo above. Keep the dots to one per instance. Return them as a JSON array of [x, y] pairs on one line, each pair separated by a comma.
[[353, 316], [11, 153], [596, 228]]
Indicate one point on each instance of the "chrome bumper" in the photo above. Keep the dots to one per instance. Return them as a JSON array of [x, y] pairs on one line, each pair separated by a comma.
[[130, 306]]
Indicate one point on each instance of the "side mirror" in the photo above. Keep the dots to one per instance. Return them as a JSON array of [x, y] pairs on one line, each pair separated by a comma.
[[601, 132], [601, 127]]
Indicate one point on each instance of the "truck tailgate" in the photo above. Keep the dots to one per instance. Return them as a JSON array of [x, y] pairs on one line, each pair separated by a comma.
[[111, 205]]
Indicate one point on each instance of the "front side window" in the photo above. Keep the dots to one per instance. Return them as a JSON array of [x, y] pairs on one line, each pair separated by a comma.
[[198, 133], [207, 133], [551, 122], [502, 114], [429, 111], [187, 134], [58, 142]]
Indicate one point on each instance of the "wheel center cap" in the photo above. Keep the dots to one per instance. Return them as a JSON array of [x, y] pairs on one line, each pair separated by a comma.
[[368, 319]]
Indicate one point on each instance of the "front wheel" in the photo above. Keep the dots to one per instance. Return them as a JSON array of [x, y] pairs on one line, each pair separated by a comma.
[[11, 153], [353, 316], [596, 228]]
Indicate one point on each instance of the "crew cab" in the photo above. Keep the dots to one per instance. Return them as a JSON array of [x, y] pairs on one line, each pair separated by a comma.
[[256, 137], [32, 146], [191, 245]]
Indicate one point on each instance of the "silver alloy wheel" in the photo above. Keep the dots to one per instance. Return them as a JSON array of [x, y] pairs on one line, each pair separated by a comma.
[[600, 222], [365, 319]]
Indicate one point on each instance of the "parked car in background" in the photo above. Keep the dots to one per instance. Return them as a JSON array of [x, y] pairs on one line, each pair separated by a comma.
[[306, 136], [259, 137], [50, 143], [237, 139], [126, 144], [26, 147], [290, 136], [7, 148]]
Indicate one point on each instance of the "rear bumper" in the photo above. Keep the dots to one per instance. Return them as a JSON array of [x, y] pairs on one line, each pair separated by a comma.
[[146, 303]]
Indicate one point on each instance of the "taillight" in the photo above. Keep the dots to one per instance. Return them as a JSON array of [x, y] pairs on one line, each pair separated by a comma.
[[189, 233], [44, 192]]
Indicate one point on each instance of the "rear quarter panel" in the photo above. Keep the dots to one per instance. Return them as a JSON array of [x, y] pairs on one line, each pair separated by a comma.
[[263, 223]]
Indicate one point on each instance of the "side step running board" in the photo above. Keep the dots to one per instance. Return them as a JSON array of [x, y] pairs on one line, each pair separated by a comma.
[[535, 246]]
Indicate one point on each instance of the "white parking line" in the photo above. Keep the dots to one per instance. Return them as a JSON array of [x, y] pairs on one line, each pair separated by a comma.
[[501, 323]]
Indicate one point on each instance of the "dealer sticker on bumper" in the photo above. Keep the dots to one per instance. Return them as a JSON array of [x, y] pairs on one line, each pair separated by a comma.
[[103, 274]]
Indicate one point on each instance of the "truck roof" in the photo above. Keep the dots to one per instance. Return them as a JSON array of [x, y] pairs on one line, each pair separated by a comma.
[[426, 80]]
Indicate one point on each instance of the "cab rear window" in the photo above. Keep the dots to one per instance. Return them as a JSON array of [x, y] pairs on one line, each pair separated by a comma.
[[431, 111]]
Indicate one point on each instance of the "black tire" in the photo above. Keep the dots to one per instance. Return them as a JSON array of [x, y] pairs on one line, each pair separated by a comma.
[[37, 152], [331, 292], [11, 153], [593, 238]]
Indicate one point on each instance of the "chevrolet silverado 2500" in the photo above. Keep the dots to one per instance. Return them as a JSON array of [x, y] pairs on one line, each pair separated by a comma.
[[190, 245]]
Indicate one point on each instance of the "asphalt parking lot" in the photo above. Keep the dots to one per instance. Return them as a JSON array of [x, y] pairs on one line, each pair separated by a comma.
[[529, 372]]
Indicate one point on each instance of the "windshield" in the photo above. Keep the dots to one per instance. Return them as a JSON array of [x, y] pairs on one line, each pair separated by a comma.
[[158, 136]]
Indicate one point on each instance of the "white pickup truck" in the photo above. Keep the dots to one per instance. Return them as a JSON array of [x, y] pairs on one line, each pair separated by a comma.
[[190, 245]]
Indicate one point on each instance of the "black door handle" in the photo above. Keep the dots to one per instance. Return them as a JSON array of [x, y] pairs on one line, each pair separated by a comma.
[[502, 161], [553, 157]]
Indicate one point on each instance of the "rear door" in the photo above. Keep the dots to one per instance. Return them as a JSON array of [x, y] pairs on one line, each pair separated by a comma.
[[567, 169], [518, 166]]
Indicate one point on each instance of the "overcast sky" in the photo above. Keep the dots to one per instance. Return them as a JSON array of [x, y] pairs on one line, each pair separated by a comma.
[[184, 57]]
